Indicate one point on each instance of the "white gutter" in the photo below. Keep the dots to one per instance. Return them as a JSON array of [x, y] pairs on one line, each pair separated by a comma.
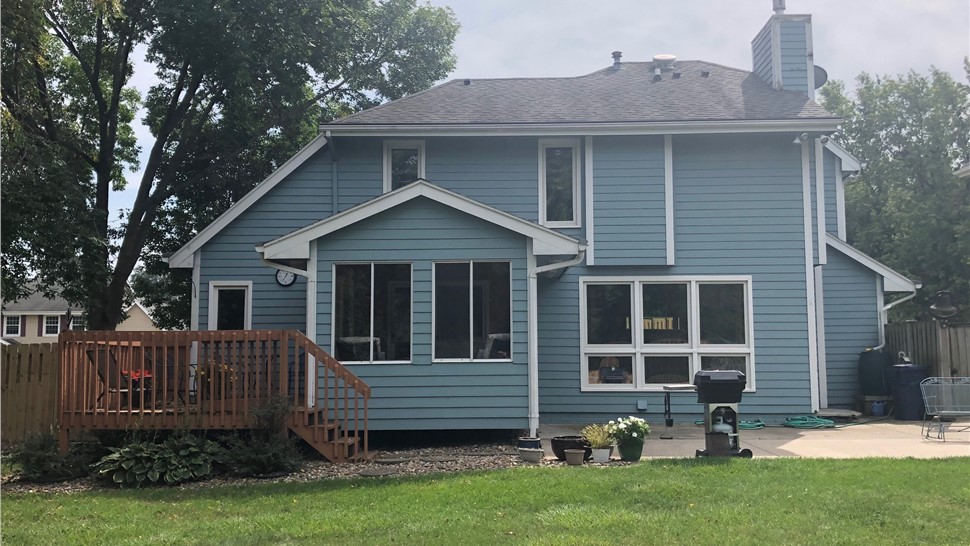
[[533, 327], [884, 317]]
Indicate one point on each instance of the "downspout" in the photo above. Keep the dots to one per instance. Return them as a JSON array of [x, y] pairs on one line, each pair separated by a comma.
[[884, 317], [533, 327]]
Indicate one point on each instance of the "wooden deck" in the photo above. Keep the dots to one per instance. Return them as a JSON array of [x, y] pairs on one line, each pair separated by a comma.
[[210, 380]]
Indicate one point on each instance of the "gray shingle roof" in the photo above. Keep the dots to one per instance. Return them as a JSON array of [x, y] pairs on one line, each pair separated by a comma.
[[692, 91]]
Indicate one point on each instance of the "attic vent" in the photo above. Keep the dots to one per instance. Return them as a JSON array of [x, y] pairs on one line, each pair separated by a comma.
[[664, 61], [616, 58], [467, 82], [705, 73]]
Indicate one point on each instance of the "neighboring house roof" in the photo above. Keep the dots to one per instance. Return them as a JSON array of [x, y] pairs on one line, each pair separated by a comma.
[[693, 91], [39, 304], [892, 281], [296, 245], [183, 257]]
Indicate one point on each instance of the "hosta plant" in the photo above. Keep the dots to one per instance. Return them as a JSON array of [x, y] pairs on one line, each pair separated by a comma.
[[180, 458]]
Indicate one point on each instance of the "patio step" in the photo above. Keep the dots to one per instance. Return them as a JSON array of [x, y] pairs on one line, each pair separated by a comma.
[[325, 436]]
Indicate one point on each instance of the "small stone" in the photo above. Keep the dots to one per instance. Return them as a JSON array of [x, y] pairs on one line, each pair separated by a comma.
[[377, 472], [393, 460]]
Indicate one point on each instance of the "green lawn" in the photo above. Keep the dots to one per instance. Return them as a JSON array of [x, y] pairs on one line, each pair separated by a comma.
[[761, 501]]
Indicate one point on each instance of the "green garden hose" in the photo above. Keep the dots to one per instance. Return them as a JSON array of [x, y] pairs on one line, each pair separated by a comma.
[[808, 421], [742, 425]]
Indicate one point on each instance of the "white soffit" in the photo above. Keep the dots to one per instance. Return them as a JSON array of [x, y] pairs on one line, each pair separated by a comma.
[[892, 281]]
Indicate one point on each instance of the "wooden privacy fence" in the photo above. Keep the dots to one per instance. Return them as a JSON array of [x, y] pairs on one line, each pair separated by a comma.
[[28, 394], [945, 351]]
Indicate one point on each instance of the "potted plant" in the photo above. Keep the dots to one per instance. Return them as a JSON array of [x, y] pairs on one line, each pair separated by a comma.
[[629, 434], [600, 442]]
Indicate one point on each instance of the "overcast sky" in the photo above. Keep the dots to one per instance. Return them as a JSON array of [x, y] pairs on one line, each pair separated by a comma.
[[538, 38]]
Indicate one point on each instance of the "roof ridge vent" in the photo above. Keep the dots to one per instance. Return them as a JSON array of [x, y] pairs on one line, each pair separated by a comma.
[[664, 61]]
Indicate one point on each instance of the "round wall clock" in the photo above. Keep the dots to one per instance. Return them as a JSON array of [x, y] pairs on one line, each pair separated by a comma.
[[285, 278]]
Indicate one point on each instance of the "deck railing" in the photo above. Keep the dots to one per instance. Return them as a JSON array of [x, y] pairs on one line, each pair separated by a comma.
[[203, 380]]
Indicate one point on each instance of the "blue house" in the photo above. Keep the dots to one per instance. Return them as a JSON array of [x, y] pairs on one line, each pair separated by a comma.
[[498, 253]]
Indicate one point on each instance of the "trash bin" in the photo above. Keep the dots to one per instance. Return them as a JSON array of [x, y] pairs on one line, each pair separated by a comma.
[[875, 373], [907, 396]]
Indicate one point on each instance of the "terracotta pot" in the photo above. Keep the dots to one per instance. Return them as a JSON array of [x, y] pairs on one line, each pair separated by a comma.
[[574, 457]]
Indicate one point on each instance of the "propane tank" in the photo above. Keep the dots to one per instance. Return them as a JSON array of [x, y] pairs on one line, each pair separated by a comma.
[[718, 425]]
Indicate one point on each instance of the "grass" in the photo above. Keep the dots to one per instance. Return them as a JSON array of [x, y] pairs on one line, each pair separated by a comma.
[[761, 501]]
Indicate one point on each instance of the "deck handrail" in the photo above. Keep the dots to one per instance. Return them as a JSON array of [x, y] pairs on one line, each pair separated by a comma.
[[212, 379]]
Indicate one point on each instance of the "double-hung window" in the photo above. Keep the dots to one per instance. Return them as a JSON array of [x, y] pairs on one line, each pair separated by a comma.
[[559, 183], [77, 323], [643, 333], [52, 325], [472, 311], [11, 326], [372, 312], [403, 163]]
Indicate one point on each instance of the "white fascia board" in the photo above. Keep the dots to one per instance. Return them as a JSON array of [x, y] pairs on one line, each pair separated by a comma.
[[592, 129], [182, 258], [296, 245], [892, 281], [850, 164]]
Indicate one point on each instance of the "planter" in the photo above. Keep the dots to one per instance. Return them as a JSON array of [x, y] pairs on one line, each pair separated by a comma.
[[602, 454], [574, 457], [530, 442], [631, 450], [530, 455], [561, 443]]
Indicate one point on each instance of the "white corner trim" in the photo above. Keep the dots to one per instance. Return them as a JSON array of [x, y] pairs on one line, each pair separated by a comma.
[[893, 281], [850, 163], [214, 286], [820, 221], [776, 81], [588, 181], [390, 145], [839, 198], [669, 196], [813, 377], [823, 383], [311, 326], [182, 258], [196, 294], [295, 245], [809, 60]]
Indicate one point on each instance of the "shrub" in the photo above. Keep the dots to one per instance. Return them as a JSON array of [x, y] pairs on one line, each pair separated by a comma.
[[625, 429], [266, 449], [41, 461], [180, 458], [598, 436]]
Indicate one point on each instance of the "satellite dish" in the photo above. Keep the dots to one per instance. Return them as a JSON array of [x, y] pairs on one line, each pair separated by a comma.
[[821, 76]]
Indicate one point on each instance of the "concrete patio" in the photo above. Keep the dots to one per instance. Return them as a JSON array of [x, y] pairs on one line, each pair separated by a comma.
[[862, 438]]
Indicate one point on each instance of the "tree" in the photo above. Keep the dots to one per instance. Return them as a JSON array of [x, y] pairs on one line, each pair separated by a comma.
[[239, 80], [907, 208]]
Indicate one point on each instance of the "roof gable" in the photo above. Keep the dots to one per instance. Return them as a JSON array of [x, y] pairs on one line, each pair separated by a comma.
[[296, 245], [184, 256], [892, 281]]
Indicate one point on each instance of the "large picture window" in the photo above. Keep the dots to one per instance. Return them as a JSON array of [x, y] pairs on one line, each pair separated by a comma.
[[559, 183], [473, 311], [372, 312], [403, 163], [683, 325]]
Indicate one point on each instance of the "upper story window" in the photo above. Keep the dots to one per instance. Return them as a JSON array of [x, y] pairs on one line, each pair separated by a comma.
[[52, 325], [11, 326], [643, 333], [372, 312], [77, 323], [559, 183], [403, 163]]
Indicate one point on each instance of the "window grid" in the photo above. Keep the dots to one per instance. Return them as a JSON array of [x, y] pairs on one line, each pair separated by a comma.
[[52, 325], [11, 327]]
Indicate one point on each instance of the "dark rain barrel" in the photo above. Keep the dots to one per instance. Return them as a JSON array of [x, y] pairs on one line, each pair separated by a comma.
[[874, 367], [907, 397]]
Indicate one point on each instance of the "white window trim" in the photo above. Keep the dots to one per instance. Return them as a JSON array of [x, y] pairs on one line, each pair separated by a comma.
[[333, 312], [694, 350], [471, 311], [390, 145], [73, 321], [215, 286], [44, 325], [20, 326], [577, 173]]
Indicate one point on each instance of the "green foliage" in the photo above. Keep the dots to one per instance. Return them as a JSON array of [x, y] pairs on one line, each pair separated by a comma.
[[598, 435], [267, 449], [628, 428], [41, 461], [907, 208], [181, 457], [241, 86]]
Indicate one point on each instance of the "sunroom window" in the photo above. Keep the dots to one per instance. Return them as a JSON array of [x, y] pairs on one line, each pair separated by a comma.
[[685, 325], [372, 312], [472, 311]]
